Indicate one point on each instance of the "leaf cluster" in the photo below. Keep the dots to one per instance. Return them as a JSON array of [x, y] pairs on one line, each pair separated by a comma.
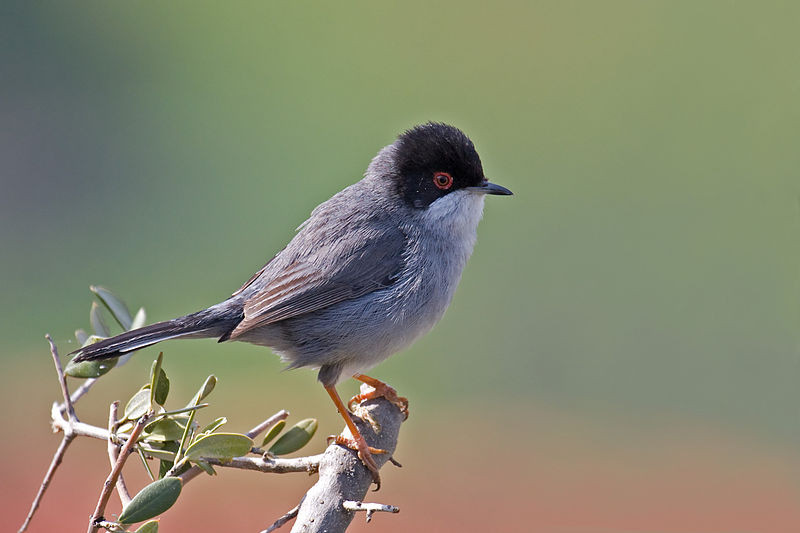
[[172, 436]]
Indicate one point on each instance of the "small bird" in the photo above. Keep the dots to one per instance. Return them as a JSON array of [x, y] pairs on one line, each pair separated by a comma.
[[372, 269]]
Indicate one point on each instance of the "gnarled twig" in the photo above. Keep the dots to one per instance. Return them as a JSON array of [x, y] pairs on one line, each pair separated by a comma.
[[342, 476]]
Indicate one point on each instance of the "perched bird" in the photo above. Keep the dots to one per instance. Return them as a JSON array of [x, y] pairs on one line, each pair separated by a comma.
[[370, 271]]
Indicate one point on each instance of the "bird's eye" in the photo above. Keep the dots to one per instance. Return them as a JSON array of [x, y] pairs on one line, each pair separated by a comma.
[[443, 180]]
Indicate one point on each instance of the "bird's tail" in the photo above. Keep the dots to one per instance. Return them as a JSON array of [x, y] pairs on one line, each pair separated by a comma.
[[216, 321]]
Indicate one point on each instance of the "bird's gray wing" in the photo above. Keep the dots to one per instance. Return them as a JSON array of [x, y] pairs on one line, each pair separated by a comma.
[[333, 272]]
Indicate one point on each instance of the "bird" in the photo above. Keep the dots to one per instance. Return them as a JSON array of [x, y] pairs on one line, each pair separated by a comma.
[[368, 273]]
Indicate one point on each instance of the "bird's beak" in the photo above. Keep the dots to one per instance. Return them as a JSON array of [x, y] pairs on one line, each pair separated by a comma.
[[490, 188]]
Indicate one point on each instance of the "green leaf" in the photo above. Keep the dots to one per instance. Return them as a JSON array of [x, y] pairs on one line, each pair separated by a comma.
[[207, 468], [220, 446], [81, 336], [205, 390], [117, 307], [139, 319], [162, 388], [165, 429], [159, 384], [98, 323], [152, 500], [138, 405], [148, 527], [273, 432], [160, 454], [215, 425], [167, 462], [90, 369], [297, 437]]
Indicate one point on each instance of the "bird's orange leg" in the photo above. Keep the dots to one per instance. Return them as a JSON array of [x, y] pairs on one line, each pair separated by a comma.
[[381, 389], [357, 443]]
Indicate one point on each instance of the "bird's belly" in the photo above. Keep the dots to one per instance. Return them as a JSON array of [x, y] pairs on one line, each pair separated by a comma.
[[358, 333]]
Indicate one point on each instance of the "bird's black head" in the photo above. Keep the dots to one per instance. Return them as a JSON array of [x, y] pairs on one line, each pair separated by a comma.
[[433, 160]]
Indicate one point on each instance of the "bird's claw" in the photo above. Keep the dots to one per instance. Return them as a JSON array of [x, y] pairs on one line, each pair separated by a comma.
[[364, 454], [381, 390]]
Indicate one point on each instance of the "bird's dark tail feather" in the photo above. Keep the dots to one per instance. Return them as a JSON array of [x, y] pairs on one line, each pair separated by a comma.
[[216, 321]]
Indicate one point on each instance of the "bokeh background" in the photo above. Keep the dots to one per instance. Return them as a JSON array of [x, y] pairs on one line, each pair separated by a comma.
[[622, 353]]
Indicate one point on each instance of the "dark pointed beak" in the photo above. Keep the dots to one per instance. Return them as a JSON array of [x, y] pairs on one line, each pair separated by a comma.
[[491, 188]]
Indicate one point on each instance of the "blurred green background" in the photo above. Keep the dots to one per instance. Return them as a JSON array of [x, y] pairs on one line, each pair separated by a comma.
[[627, 326]]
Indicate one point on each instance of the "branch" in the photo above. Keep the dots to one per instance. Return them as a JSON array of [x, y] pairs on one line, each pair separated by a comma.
[[342, 476], [81, 428], [370, 508], [57, 458], [113, 454], [78, 393], [269, 465], [111, 481], [195, 471], [268, 423], [62, 380], [69, 435], [329, 505]]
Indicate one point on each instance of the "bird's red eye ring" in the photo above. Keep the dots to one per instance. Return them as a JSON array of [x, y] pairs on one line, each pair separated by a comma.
[[442, 180]]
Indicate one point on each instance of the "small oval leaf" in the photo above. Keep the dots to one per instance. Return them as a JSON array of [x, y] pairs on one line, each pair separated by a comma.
[[152, 500], [117, 307], [297, 437], [220, 446], [98, 323], [163, 455], [273, 432], [90, 369], [215, 425], [81, 336], [148, 527], [205, 390], [165, 429], [138, 405], [159, 383], [139, 319], [162, 388]]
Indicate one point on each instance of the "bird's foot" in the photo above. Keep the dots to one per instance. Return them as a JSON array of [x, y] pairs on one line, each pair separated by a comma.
[[379, 390], [364, 453]]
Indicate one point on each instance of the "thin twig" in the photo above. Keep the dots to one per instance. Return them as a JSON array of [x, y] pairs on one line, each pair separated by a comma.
[[275, 465], [370, 508], [59, 455], [78, 393], [291, 515], [113, 454], [111, 481], [268, 423], [110, 526], [62, 379], [195, 471], [81, 428], [69, 435]]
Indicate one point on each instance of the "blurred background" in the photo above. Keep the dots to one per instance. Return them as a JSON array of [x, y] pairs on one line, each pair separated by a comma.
[[622, 353]]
